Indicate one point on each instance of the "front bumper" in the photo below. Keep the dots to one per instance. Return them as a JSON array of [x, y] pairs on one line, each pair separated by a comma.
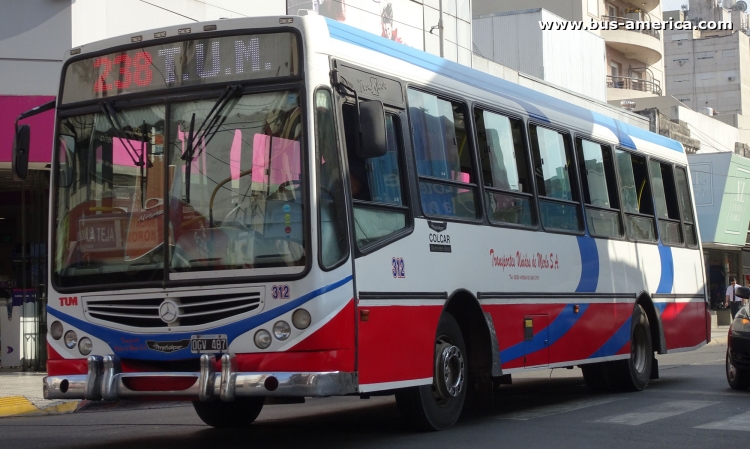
[[105, 380]]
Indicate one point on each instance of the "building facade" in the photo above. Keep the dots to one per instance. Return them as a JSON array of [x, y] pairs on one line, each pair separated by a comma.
[[634, 62], [709, 69]]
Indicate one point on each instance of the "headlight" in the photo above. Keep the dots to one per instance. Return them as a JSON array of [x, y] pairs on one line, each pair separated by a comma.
[[85, 346], [71, 339], [56, 330], [262, 339], [741, 324], [281, 330], [301, 319]]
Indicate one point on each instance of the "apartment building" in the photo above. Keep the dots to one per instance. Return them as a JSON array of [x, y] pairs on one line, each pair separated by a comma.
[[709, 69], [634, 63]]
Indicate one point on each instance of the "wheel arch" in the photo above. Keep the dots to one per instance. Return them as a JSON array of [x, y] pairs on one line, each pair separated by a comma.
[[478, 331], [654, 319]]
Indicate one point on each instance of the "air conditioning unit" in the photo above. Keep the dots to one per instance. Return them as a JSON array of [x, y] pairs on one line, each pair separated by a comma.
[[731, 78]]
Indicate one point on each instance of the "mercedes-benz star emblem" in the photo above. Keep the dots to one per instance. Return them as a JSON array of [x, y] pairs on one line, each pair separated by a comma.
[[169, 311]]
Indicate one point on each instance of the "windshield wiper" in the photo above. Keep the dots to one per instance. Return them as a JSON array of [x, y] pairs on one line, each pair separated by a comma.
[[114, 122], [214, 123]]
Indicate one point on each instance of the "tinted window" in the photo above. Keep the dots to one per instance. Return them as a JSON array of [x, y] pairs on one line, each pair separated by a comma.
[[331, 208], [443, 156], [504, 168], [686, 206], [635, 192], [555, 179], [599, 189], [377, 193], [665, 202]]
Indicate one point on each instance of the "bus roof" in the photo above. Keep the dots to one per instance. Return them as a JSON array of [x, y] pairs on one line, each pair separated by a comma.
[[533, 102]]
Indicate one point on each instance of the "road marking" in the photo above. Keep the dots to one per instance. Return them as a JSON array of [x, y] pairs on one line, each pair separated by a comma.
[[656, 412], [556, 409], [737, 422]]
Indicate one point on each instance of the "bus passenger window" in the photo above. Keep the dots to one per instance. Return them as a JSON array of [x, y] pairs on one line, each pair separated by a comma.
[[686, 207], [665, 200], [379, 209], [555, 179], [447, 183], [331, 202], [636, 196], [599, 184], [505, 169]]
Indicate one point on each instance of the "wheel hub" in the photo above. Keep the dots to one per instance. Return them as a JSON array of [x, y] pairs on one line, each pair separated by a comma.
[[451, 371]]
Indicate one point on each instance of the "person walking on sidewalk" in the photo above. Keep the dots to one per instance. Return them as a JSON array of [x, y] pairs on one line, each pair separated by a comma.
[[732, 300]]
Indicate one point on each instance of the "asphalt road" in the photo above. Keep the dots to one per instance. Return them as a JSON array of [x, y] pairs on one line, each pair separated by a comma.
[[691, 406]]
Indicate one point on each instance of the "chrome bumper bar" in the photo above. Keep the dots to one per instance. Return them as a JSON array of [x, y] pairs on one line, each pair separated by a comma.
[[105, 380]]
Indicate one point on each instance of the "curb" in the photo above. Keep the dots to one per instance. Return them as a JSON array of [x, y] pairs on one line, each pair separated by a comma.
[[19, 405]]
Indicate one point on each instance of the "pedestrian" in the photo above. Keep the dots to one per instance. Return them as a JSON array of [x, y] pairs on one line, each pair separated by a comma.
[[732, 300]]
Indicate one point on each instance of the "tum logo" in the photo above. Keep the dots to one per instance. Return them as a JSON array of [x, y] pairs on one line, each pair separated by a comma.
[[69, 301]]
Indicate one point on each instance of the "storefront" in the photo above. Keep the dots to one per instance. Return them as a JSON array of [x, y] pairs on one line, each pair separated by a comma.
[[24, 217], [721, 183]]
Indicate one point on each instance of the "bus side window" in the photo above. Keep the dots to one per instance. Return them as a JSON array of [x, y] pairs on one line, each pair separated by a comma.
[[447, 183], [505, 168], [665, 200], [599, 184], [635, 191], [331, 203], [555, 179], [686, 207], [379, 205]]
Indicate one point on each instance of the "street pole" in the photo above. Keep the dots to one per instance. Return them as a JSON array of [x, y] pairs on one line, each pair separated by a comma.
[[440, 28]]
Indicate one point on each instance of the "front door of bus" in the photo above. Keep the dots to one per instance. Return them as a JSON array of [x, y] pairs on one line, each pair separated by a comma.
[[536, 340]]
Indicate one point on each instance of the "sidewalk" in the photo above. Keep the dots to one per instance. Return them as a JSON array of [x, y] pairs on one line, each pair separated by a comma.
[[21, 393], [719, 335]]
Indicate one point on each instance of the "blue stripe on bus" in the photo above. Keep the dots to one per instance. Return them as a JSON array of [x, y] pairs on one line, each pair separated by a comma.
[[114, 337], [667, 270], [615, 342], [555, 330], [498, 86], [589, 264]]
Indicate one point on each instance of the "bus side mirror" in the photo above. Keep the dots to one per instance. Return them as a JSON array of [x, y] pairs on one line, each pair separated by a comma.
[[20, 159], [743, 292], [373, 141]]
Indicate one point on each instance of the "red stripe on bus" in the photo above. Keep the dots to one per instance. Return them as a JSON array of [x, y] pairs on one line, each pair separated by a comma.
[[397, 343]]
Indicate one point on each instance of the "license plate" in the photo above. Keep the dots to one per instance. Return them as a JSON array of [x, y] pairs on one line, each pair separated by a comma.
[[208, 344]]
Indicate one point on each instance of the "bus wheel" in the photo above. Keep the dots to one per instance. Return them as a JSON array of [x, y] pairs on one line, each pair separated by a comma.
[[633, 374], [738, 379], [229, 415], [595, 377], [438, 406]]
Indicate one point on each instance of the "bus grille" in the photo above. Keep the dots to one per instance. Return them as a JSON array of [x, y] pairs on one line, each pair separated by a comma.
[[143, 312]]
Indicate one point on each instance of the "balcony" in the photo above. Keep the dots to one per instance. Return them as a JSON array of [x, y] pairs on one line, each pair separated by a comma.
[[623, 87], [641, 45], [645, 5]]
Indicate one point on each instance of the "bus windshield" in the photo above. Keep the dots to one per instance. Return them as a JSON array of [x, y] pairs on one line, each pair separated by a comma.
[[230, 172]]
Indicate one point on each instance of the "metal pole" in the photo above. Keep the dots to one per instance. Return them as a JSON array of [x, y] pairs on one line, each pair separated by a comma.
[[23, 274], [440, 28]]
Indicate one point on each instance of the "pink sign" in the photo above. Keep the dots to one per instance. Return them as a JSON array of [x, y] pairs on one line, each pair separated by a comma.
[[42, 127]]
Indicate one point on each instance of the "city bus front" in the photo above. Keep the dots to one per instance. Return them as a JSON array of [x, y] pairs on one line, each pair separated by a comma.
[[187, 221]]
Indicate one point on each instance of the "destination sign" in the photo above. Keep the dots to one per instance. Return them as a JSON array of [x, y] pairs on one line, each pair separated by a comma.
[[180, 64]]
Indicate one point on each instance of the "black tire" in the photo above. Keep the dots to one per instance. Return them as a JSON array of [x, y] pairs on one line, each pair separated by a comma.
[[438, 406], [634, 373], [595, 377], [739, 379], [239, 413]]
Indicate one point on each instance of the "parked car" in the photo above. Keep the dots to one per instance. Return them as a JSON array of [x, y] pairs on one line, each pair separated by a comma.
[[738, 346]]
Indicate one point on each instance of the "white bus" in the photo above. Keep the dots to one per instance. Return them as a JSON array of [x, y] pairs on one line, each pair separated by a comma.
[[290, 207]]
